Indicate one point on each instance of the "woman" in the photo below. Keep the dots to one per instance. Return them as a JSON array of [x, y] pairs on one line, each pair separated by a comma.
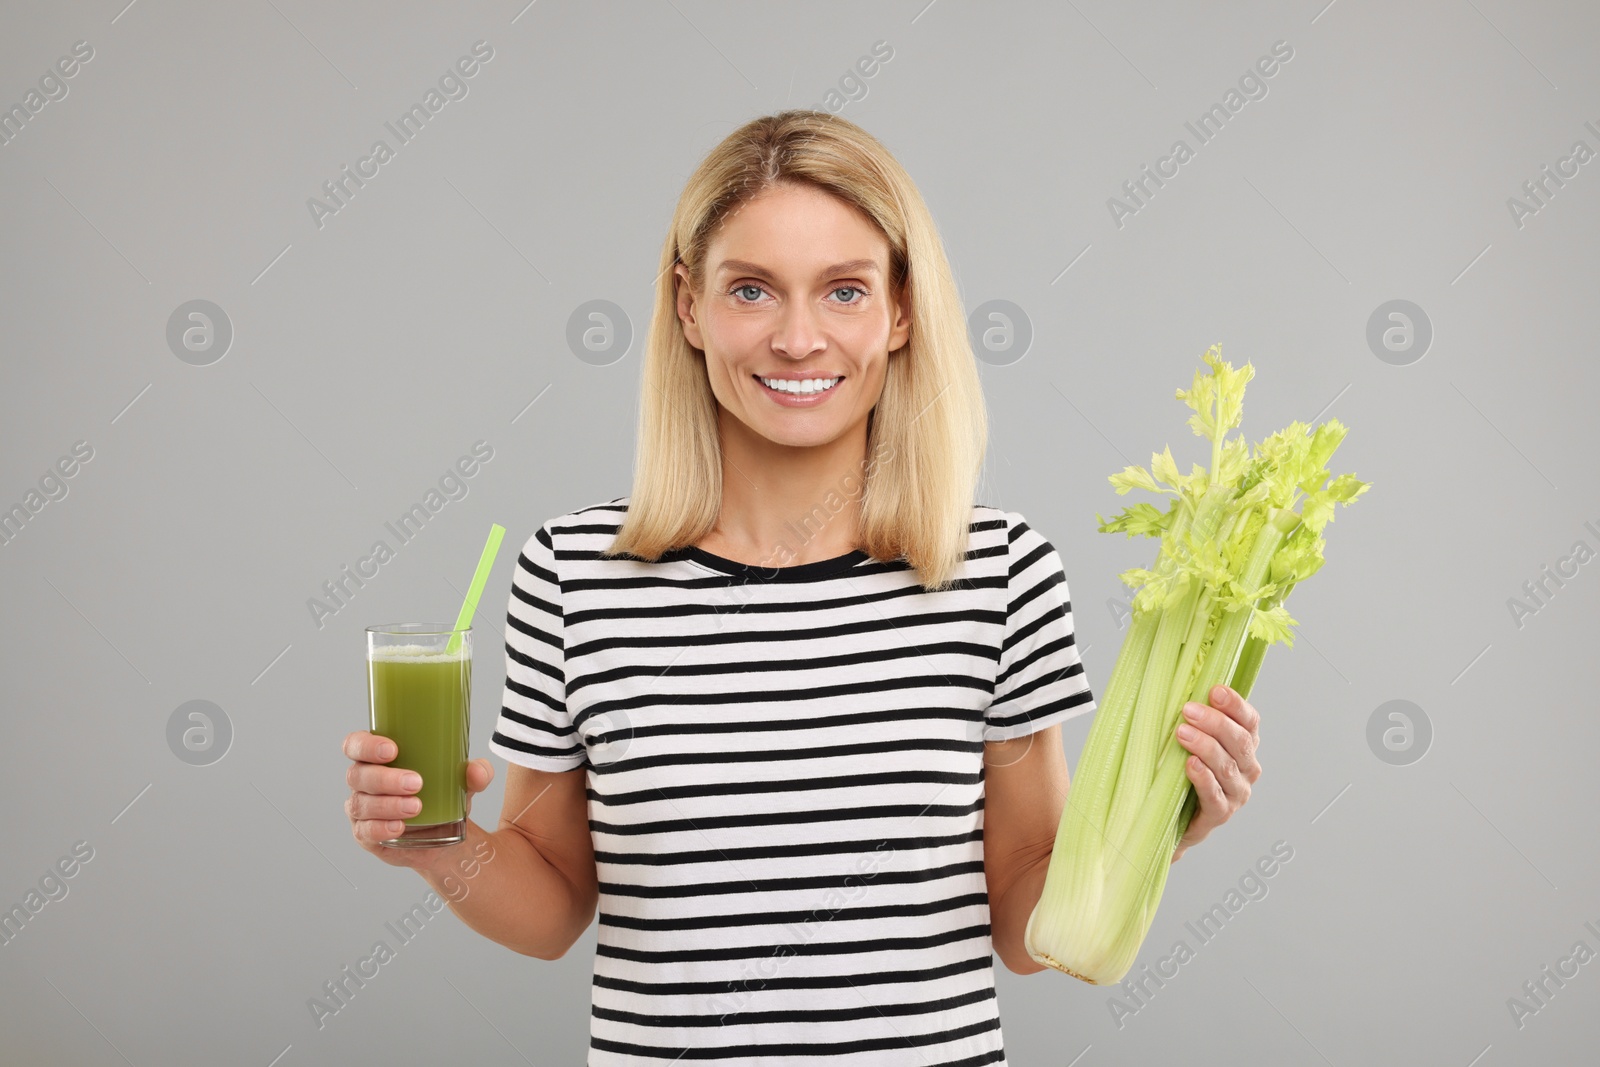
[[790, 712]]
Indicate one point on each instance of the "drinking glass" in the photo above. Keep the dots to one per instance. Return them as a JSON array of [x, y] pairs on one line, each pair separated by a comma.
[[420, 694]]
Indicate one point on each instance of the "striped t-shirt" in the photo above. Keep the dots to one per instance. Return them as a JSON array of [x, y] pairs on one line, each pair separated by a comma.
[[785, 783]]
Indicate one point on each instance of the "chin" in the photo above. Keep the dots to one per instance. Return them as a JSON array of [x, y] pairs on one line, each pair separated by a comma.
[[798, 440]]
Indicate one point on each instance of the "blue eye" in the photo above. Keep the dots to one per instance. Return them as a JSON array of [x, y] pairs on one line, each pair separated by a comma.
[[749, 293]]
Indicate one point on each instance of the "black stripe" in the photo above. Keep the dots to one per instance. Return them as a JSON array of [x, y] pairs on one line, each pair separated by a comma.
[[1043, 680], [533, 600], [778, 885], [797, 1048], [526, 564], [538, 633], [804, 848], [813, 1015], [804, 981], [876, 624], [1022, 633], [530, 693], [786, 818], [999, 720], [840, 948], [788, 785], [680, 759], [796, 663], [536, 724], [772, 918], [1041, 652], [777, 696], [1038, 589], [540, 666], [1035, 554], [614, 505], [532, 749], [821, 722]]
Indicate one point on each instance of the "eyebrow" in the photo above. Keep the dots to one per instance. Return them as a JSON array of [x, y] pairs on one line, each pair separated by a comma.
[[852, 266]]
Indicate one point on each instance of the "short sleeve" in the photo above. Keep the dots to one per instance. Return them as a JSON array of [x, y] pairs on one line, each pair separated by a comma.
[[535, 728], [1040, 680]]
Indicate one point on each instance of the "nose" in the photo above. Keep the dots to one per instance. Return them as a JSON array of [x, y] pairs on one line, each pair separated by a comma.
[[798, 333]]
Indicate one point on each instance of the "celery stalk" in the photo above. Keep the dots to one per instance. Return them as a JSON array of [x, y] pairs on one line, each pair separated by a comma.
[[1248, 667], [1232, 547]]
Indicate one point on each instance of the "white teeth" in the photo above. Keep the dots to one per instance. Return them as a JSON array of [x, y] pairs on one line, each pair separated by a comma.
[[803, 386]]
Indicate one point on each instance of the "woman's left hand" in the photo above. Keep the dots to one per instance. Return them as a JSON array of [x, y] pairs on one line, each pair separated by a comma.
[[1223, 738]]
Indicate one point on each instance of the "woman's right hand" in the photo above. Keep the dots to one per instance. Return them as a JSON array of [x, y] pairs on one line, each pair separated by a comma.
[[382, 798]]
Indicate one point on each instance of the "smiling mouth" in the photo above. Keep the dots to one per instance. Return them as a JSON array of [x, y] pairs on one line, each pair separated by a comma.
[[801, 387]]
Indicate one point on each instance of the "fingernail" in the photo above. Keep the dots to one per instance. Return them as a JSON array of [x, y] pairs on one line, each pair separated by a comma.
[[411, 806], [388, 752], [1221, 692], [411, 781], [1186, 733], [1192, 712]]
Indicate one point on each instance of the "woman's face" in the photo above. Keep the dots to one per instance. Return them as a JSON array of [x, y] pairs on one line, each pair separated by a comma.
[[797, 288]]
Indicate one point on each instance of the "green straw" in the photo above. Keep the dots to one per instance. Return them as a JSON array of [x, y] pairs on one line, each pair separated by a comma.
[[475, 590]]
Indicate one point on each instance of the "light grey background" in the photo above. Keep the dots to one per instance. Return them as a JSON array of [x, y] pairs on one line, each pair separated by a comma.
[[432, 310]]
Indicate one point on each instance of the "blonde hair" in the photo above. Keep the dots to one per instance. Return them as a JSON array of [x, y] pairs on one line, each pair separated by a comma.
[[926, 435]]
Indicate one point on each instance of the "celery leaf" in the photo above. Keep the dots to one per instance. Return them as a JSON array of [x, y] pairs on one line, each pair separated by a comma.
[[1272, 625]]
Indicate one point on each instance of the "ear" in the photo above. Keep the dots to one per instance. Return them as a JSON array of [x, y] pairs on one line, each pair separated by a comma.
[[900, 330], [686, 306]]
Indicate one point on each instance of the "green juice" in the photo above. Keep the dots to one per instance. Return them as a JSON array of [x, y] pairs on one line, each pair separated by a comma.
[[421, 701]]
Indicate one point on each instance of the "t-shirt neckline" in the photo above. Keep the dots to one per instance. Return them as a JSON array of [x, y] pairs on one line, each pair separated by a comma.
[[799, 572]]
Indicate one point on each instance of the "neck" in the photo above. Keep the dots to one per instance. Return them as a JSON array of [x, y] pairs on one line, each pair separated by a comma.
[[785, 505]]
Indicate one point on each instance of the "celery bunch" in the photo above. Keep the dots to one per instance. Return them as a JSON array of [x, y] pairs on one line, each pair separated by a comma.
[[1236, 537]]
